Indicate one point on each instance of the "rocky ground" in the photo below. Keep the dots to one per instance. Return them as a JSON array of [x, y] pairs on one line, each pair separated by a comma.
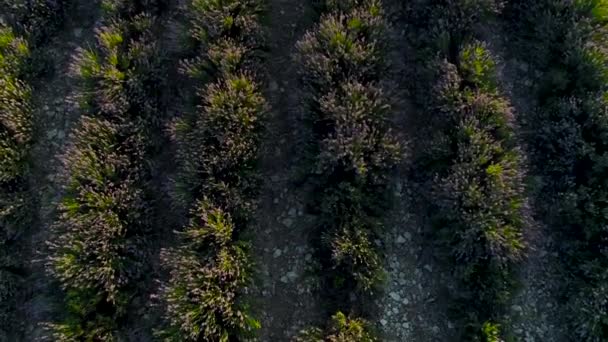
[[285, 297], [412, 306]]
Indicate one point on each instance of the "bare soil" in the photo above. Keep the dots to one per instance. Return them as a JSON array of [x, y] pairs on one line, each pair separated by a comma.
[[284, 297]]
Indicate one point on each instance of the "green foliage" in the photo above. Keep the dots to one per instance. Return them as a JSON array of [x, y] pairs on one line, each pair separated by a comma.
[[128, 8], [345, 46], [15, 139], [228, 35], [208, 272], [478, 188], [212, 20], [356, 153], [340, 329], [354, 137], [15, 110], [447, 25], [99, 242], [354, 256], [35, 19], [219, 149], [98, 249], [121, 76], [490, 332], [342, 62]]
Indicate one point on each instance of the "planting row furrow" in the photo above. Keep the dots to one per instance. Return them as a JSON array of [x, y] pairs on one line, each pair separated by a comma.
[[98, 248], [343, 62], [568, 138], [218, 145], [476, 198]]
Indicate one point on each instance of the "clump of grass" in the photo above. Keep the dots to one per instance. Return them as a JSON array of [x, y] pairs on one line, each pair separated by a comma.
[[340, 329]]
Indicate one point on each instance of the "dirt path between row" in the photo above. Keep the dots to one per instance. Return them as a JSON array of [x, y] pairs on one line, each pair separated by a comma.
[[284, 298]]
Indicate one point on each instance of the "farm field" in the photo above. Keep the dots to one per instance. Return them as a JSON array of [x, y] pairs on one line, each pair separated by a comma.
[[304, 170]]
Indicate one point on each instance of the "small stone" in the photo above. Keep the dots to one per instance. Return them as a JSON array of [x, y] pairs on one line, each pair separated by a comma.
[[428, 268], [273, 85], [405, 325], [400, 239], [276, 200], [288, 222], [516, 308], [292, 212], [435, 329], [277, 253], [395, 296], [284, 279], [383, 322], [405, 301], [292, 275], [308, 256], [396, 310], [408, 235], [51, 134]]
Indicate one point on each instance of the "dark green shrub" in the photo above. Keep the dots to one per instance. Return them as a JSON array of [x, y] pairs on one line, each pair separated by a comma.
[[15, 139], [342, 61], [127, 8], [121, 77], [208, 272], [356, 152], [350, 46], [340, 329], [15, 111], [237, 19], [446, 25], [354, 258], [219, 148], [478, 196], [98, 249], [354, 137], [35, 19], [227, 34]]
